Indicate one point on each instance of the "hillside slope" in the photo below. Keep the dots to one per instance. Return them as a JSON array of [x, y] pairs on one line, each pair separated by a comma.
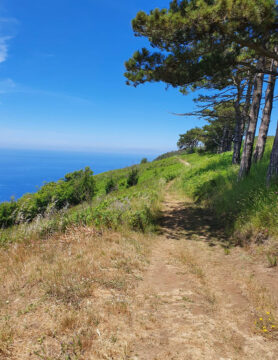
[[146, 272]]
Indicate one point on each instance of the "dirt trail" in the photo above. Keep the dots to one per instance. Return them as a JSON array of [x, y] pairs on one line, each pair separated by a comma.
[[184, 162], [194, 301]]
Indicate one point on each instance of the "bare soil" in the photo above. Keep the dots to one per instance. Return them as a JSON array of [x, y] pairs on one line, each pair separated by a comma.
[[199, 301]]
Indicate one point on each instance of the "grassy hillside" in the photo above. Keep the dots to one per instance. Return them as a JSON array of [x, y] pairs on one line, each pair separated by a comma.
[[135, 207], [70, 280], [247, 209]]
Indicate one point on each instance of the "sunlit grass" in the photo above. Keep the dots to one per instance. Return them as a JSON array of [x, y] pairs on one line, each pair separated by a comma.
[[247, 206], [133, 207]]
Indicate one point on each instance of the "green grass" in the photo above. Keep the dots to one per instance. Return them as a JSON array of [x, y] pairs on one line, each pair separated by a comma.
[[135, 207], [247, 209], [247, 206]]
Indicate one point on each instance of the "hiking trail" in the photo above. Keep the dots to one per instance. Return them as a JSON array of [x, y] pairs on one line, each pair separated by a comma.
[[196, 302]]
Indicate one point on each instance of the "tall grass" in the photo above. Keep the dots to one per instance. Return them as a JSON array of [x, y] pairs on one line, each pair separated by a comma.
[[245, 206]]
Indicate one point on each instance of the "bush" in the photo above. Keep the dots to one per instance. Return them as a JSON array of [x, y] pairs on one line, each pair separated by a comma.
[[7, 210], [170, 177], [144, 160], [132, 178], [110, 186], [74, 189]]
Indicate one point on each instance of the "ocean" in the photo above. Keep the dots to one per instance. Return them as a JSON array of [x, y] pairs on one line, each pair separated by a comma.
[[23, 171]]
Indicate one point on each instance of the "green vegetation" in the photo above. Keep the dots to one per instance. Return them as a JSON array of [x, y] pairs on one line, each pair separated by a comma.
[[247, 208], [130, 198], [125, 198], [170, 154], [74, 189], [110, 186], [144, 160], [217, 135], [133, 177], [225, 46]]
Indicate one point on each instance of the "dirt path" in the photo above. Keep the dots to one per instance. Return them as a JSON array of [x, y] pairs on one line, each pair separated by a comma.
[[184, 162], [194, 301]]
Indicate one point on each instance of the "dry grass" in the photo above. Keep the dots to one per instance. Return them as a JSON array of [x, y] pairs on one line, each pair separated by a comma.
[[192, 262], [69, 297]]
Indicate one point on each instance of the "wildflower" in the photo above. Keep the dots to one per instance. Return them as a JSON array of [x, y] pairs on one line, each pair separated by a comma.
[[267, 313], [265, 330], [273, 326], [261, 319]]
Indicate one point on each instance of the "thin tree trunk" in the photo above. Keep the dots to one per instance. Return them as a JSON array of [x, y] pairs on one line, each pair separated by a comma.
[[245, 164], [272, 171], [241, 117], [238, 134], [223, 141], [247, 104], [259, 150], [229, 140]]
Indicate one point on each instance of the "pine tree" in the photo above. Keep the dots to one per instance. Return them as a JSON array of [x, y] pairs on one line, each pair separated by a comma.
[[260, 146], [202, 41], [245, 164]]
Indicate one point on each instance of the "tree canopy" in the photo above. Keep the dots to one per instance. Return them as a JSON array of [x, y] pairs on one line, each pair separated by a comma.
[[219, 44], [198, 40]]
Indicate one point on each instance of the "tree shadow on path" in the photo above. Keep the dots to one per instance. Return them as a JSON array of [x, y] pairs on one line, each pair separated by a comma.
[[185, 220]]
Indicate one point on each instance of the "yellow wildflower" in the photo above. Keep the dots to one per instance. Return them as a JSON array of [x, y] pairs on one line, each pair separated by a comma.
[[261, 319], [267, 313]]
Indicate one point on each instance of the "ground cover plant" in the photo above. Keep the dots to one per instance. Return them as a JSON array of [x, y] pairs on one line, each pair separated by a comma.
[[73, 189], [121, 198], [245, 207]]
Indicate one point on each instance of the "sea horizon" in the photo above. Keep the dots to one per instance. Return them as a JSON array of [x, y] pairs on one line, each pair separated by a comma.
[[26, 170]]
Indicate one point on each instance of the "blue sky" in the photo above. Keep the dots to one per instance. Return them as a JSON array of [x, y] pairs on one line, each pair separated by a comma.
[[62, 84]]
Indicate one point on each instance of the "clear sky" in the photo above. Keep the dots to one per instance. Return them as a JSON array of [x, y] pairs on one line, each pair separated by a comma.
[[62, 84]]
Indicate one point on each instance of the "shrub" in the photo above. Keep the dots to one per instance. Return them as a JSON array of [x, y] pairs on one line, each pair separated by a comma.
[[110, 186], [170, 177], [81, 184], [133, 177], [7, 210], [144, 160], [74, 189]]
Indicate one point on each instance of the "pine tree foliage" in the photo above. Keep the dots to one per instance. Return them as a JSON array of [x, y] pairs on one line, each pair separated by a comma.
[[213, 44]]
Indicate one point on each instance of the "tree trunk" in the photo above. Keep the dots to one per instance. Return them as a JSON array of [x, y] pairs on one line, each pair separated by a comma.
[[272, 171], [246, 108], [238, 134], [222, 146], [259, 150], [245, 163], [241, 117], [229, 140]]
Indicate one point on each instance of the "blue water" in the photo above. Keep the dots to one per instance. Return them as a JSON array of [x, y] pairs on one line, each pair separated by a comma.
[[23, 171]]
